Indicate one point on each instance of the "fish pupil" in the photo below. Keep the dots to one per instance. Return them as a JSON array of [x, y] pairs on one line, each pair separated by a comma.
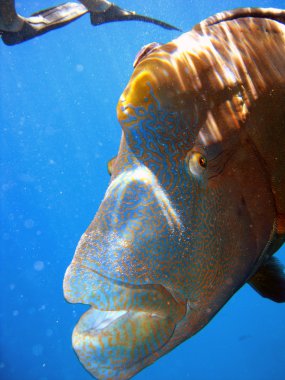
[[203, 162]]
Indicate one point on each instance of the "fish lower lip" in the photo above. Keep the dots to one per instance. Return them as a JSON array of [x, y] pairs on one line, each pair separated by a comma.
[[125, 325], [111, 344]]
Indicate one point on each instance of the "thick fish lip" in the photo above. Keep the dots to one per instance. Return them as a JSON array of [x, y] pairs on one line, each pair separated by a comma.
[[87, 286], [125, 326], [94, 340]]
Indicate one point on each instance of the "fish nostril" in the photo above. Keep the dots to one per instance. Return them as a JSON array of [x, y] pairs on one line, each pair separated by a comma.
[[145, 51]]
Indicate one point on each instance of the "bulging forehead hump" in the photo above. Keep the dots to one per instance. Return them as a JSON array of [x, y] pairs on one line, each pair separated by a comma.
[[217, 71]]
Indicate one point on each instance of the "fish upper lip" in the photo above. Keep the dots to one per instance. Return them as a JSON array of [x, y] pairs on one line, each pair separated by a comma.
[[83, 284]]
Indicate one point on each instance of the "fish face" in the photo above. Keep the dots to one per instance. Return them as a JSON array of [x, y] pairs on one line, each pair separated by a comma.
[[160, 257], [181, 228]]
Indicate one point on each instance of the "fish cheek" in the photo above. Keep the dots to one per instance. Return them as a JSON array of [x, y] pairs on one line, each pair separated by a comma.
[[234, 246], [244, 213], [256, 195]]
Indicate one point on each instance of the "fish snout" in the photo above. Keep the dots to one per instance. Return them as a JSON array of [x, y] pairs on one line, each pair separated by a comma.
[[132, 313], [134, 198], [121, 269]]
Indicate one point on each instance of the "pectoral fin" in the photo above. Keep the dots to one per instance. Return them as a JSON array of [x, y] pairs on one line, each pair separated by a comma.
[[269, 280]]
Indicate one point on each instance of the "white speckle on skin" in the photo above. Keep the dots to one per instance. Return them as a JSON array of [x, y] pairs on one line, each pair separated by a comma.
[[166, 73]]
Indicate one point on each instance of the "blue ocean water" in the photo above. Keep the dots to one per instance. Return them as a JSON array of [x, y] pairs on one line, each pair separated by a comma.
[[58, 131]]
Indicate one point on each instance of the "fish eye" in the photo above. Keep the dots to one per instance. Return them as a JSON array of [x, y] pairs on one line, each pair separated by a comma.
[[197, 163]]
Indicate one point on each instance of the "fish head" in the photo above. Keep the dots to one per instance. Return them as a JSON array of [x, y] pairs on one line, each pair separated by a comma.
[[185, 219]]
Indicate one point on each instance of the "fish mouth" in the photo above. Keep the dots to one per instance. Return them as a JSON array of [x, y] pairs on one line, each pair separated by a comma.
[[126, 326]]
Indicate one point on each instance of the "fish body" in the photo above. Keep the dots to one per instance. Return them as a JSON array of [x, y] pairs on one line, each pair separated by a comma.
[[196, 203]]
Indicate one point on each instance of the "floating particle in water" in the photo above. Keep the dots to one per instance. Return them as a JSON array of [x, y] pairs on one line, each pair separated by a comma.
[[22, 121], [244, 337], [49, 332], [31, 310], [24, 177], [2, 365], [11, 217], [5, 236], [12, 286], [29, 223], [6, 187], [79, 68], [37, 349], [39, 265], [15, 313]]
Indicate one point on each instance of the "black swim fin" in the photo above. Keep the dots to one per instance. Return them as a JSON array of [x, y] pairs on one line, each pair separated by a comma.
[[115, 13], [43, 21], [55, 17]]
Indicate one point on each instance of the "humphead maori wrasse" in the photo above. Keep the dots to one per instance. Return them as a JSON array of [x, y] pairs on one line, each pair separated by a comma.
[[196, 203]]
